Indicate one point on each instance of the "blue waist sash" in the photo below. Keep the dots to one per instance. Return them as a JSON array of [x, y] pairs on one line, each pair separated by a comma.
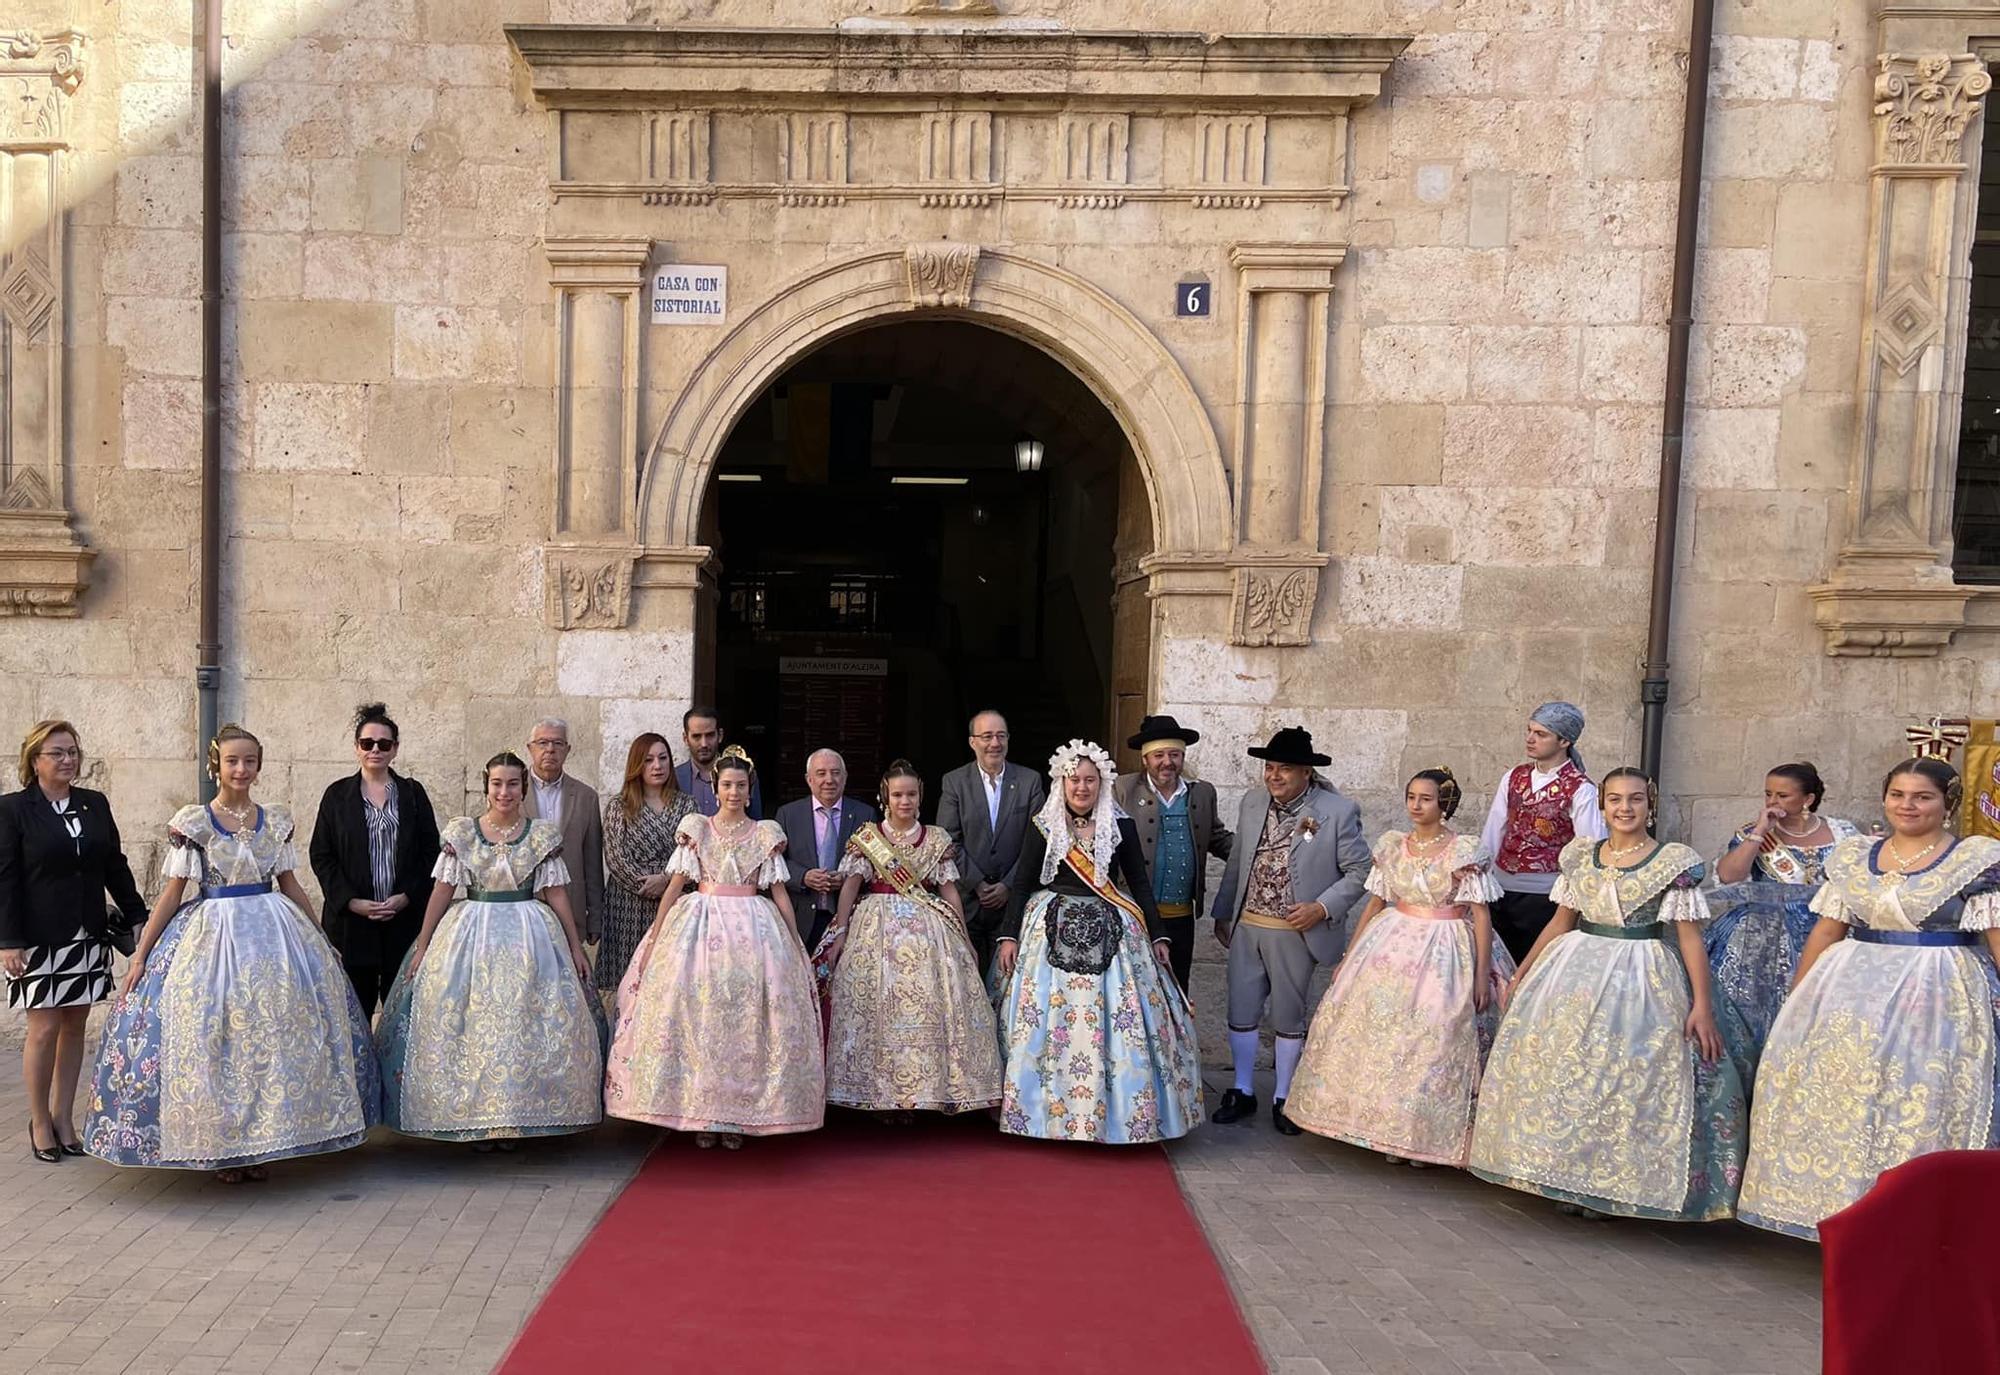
[[499, 895], [237, 890], [1648, 932], [1874, 937]]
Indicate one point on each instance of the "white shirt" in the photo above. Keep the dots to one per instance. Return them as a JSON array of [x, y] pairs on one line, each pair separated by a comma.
[[1584, 818], [1167, 799], [548, 798], [994, 785]]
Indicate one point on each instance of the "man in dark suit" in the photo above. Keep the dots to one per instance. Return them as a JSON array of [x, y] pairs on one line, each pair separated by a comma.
[[816, 831], [555, 795], [987, 806], [1178, 830], [701, 732]]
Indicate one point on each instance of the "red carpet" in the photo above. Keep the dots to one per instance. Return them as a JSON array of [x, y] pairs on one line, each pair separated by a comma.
[[1909, 1274], [943, 1247]]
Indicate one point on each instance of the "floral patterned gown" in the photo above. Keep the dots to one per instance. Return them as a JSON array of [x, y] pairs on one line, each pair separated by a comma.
[[243, 1041], [1761, 925], [1885, 1051], [1393, 1059], [1593, 1095], [911, 1026], [718, 1019], [494, 1035]]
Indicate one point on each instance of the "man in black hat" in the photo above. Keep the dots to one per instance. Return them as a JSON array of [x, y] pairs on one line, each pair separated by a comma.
[[1282, 907], [1178, 829]]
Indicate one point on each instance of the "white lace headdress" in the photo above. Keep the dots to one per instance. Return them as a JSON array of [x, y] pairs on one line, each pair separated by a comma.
[[1054, 816]]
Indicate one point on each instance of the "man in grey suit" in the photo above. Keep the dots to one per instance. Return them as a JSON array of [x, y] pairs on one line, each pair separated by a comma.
[[987, 806], [1178, 830], [1297, 867], [816, 830], [572, 804]]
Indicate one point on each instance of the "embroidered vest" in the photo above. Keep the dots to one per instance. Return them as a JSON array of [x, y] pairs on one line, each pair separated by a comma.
[[1538, 823]]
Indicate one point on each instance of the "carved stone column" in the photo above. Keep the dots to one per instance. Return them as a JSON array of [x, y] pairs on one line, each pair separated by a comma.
[[600, 290], [44, 567], [1284, 296], [1891, 591]]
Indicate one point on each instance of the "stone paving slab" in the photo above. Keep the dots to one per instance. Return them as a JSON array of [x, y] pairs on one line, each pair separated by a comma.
[[408, 1257]]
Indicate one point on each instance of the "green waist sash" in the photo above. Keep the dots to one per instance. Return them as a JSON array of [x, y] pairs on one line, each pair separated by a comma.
[[499, 895], [1650, 931]]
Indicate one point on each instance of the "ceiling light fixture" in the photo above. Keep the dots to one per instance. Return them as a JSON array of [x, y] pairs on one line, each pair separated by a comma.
[[1027, 455]]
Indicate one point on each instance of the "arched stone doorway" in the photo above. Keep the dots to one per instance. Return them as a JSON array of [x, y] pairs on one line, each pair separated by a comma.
[[884, 566]]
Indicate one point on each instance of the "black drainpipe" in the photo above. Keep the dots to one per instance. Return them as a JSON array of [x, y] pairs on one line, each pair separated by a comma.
[[1659, 617], [208, 649]]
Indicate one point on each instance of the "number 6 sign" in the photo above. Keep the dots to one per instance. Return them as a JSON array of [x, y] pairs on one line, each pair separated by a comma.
[[1191, 297]]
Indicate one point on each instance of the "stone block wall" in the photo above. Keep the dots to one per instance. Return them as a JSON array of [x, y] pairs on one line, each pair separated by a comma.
[[1491, 435]]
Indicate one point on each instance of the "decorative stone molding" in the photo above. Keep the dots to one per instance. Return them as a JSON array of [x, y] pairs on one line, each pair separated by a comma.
[[1271, 602], [1891, 593], [44, 566], [589, 588], [948, 114], [941, 274]]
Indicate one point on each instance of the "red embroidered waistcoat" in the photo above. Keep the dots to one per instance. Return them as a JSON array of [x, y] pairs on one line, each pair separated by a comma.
[[1538, 823]]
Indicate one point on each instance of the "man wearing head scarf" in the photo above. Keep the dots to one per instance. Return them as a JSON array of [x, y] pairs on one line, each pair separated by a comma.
[[1539, 807]]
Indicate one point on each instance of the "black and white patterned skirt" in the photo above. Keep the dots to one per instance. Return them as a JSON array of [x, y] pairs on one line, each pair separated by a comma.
[[73, 975]]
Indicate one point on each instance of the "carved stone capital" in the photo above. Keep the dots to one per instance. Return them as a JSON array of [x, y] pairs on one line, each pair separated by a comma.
[[1923, 105], [1272, 597], [597, 262], [1891, 620], [44, 567], [941, 273], [41, 71], [588, 589]]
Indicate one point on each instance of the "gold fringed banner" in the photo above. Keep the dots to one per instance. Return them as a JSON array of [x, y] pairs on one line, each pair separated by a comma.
[[1979, 814]]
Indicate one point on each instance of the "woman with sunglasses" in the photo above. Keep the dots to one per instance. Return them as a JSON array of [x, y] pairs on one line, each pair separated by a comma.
[[372, 851]]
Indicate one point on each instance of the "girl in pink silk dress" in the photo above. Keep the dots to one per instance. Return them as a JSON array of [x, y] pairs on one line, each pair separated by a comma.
[[1395, 1052], [718, 1020]]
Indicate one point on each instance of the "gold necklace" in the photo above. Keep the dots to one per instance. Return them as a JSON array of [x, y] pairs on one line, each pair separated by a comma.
[[731, 837], [242, 816], [897, 837], [514, 832], [1902, 864], [1632, 849], [1798, 835], [1426, 846]]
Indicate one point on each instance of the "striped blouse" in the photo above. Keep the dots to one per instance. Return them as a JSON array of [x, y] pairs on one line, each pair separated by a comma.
[[382, 823]]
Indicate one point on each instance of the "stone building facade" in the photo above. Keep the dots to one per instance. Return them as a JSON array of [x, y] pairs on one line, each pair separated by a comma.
[[1397, 485]]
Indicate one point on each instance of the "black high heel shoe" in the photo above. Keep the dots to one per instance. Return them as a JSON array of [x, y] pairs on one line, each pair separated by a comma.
[[48, 1157], [71, 1148]]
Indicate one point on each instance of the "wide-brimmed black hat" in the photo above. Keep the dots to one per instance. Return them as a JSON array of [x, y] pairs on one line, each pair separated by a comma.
[[1161, 728], [1292, 745]]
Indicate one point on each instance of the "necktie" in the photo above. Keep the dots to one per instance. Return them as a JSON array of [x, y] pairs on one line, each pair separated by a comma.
[[829, 833]]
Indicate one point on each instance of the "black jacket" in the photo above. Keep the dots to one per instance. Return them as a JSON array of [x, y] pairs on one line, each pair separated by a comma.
[[1130, 861], [340, 862], [47, 888]]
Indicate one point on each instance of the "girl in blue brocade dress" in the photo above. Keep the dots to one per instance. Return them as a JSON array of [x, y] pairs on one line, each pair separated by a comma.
[[237, 1039], [1616, 1082], [1763, 901], [1885, 1049]]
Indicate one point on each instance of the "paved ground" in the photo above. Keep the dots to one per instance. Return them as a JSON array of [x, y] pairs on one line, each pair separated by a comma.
[[417, 1257]]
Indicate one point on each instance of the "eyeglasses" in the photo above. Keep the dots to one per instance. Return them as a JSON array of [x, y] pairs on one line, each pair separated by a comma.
[[375, 746], [61, 753], [991, 737], [548, 744]]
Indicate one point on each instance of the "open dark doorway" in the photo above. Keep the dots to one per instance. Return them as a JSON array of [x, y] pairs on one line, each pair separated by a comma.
[[891, 560]]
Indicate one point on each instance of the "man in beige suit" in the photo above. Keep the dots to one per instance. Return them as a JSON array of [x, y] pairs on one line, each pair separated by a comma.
[[572, 804]]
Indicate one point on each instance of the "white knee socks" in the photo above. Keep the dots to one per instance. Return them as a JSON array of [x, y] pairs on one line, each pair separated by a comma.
[[1289, 1049], [1243, 1050]]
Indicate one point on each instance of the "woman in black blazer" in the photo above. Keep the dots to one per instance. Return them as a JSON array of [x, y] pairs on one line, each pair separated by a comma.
[[59, 856], [373, 848]]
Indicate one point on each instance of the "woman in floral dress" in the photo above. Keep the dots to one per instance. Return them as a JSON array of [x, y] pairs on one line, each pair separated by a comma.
[[1393, 1059], [1611, 1087], [1099, 1037], [1763, 903], [718, 1020], [639, 828], [237, 1039], [492, 1030], [911, 1027], [1885, 1049]]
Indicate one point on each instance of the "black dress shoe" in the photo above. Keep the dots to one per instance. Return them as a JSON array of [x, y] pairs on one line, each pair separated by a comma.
[[50, 1156], [1235, 1106], [1283, 1123], [70, 1147]]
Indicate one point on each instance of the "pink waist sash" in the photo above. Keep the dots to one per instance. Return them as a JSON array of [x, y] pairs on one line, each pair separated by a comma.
[[727, 890], [1455, 912]]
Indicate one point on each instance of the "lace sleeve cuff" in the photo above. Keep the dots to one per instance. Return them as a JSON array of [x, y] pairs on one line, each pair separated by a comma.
[[773, 872], [1982, 913], [685, 862], [287, 860], [183, 861], [1563, 895], [854, 864], [1684, 904], [945, 871], [449, 870], [550, 873], [1827, 903], [1476, 885], [1377, 883]]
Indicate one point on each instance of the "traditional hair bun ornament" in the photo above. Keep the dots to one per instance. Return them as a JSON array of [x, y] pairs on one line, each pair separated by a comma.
[[1064, 761]]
